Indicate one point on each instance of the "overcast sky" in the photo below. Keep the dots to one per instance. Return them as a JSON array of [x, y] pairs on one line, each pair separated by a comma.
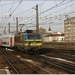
[[51, 13]]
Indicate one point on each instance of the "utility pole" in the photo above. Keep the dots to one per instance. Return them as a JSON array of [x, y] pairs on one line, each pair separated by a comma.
[[17, 25], [37, 21], [9, 27]]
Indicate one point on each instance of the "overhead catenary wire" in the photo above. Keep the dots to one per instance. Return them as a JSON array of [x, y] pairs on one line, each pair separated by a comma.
[[57, 11], [14, 10], [61, 9], [51, 8], [34, 15], [11, 7], [27, 10], [35, 8], [31, 8], [8, 4], [32, 11], [24, 11], [45, 22], [31, 18]]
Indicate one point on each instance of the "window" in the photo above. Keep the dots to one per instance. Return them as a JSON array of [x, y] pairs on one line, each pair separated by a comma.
[[33, 36]]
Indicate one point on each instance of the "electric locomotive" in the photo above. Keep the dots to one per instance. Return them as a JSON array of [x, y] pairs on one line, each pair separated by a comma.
[[28, 42]]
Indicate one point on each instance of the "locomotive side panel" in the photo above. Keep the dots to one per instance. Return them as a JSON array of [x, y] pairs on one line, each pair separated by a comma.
[[18, 40]]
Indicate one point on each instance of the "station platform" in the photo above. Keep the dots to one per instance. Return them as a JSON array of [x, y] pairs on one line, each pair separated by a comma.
[[4, 71]]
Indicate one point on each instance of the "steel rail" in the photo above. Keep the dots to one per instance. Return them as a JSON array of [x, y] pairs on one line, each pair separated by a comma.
[[24, 62], [61, 65], [16, 70]]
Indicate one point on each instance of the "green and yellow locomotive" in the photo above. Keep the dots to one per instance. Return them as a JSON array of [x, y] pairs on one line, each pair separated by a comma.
[[28, 42]]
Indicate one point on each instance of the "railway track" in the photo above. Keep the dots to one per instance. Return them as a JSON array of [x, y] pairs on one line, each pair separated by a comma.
[[66, 66], [46, 61], [62, 64], [15, 69], [68, 55], [36, 59], [20, 66]]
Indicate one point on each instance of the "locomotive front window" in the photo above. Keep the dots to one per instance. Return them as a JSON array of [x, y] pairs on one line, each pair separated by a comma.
[[33, 36], [36, 36], [30, 36]]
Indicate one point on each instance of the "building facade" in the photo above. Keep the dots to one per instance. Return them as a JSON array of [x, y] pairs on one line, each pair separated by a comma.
[[41, 30], [54, 37], [69, 29]]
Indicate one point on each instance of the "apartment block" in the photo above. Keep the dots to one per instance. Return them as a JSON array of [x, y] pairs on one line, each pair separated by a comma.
[[69, 29]]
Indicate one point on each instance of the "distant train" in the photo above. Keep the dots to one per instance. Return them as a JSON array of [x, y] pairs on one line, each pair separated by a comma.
[[8, 40], [28, 42]]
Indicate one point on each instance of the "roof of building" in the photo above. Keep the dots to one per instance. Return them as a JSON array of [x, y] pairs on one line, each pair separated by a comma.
[[54, 35]]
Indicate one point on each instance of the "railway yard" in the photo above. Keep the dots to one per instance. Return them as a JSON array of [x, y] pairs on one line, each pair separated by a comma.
[[49, 61], [37, 37]]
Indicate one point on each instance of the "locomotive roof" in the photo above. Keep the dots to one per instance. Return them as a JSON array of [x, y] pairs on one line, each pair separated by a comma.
[[26, 34]]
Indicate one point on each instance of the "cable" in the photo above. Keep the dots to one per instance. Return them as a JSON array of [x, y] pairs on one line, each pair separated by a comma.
[[32, 8], [42, 3], [61, 9], [58, 11], [7, 4], [53, 7], [14, 10]]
